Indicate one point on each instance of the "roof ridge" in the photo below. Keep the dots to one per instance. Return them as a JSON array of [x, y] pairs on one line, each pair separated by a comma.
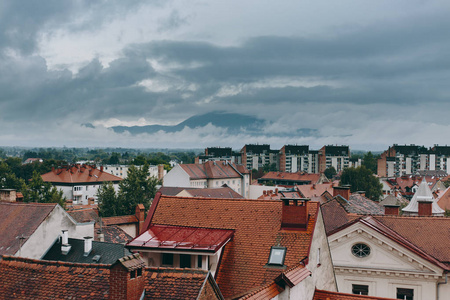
[[177, 270], [52, 263], [220, 199]]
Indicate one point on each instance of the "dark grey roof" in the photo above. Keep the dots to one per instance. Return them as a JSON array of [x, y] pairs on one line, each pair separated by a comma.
[[358, 204], [115, 234], [109, 252]]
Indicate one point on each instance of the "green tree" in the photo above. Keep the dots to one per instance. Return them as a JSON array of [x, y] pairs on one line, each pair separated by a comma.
[[330, 172], [9, 180], [108, 204], [139, 160], [42, 192], [362, 179], [370, 162]]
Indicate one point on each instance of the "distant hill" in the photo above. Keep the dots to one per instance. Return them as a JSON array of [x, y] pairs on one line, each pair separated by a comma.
[[234, 123]]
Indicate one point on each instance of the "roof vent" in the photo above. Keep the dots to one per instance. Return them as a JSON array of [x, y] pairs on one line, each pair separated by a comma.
[[96, 258]]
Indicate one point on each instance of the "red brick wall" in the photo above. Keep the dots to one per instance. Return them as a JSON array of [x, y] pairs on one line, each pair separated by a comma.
[[425, 208], [343, 191], [294, 216], [391, 210], [208, 292], [122, 287]]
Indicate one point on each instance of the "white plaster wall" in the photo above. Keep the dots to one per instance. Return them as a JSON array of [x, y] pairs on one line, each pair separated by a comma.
[[50, 229], [129, 228], [432, 162], [255, 191], [177, 177]]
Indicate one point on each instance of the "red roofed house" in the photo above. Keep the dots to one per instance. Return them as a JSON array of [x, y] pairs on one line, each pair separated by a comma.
[[392, 256], [80, 182], [126, 279], [255, 249], [211, 174], [292, 179]]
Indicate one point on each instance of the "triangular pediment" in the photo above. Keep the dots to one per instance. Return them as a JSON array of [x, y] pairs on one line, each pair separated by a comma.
[[385, 253]]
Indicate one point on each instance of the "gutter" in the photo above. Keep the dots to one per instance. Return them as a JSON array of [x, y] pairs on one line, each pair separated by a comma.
[[439, 283]]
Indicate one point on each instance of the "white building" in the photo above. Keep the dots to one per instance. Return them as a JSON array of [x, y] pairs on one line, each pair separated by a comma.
[[80, 183], [211, 174], [122, 170]]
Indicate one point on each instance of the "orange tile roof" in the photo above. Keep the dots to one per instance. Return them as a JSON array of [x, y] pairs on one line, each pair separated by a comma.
[[85, 215], [79, 174], [20, 219], [265, 292], [315, 190], [326, 295], [212, 169], [129, 219], [174, 283], [257, 227], [335, 215], [24, 278], [444, 200], [313, 178]]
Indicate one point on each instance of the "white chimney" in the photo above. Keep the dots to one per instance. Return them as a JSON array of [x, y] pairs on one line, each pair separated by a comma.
[[65, 247], [87, 245]]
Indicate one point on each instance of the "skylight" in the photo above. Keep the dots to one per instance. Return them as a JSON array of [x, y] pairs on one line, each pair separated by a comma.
[[277, 255]]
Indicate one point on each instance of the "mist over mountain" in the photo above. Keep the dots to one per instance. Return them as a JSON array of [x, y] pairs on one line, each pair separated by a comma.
[[233, 123]]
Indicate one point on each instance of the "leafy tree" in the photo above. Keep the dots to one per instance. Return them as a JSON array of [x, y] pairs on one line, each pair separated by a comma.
[[139, 160], [42, 192], [108, 204], [370, 162], [270, 168], [137, 188], [362, 179], [9, 180], [330, 172]]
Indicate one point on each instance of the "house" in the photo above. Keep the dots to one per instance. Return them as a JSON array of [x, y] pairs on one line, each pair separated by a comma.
[[29, 229], [255, 249], [392, 256], [210, 174], [127, 278], [291, 179], [10, 195], [423, 203], [80, 182]]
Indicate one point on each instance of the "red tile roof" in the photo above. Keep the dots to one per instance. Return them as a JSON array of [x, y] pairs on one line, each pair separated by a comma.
[[118, 220], [222, 192], [444, 200], [85, 215], [171, 190], [326, 295], [429, 234], [265, 292], [257, 227], [174, 283], [335, 215], [182, 238], [115, 234], [286, 176], [20, 219], [79, 174], [315, 190], [212, 169], [24, 278]]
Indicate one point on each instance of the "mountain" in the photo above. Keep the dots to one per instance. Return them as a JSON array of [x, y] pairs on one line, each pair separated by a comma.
[[233, 122]]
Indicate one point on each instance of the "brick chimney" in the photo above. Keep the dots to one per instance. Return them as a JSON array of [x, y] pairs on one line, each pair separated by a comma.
[[140, 215], [294, 214], [425, 208], [344, 191], [127, 278], [90, 172], [101, 168], [160, 172], [391, 210]]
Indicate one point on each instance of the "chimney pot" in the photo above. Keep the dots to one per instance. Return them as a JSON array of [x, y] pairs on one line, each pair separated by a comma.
[[65, 237], [101, 168]]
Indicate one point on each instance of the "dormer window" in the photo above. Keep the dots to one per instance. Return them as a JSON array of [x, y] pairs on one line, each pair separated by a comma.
[[277, 255]]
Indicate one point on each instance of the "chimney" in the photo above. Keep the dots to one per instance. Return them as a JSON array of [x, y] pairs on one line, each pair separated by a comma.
[[91, 201], [425, 208], [90, 172], [53, 169], [314, 186], [343, 191], [160, 172], [276, 191], [396, 193], [295, 214], [65, 247], [391, 210], [101, 237], [101, 168], [140, 215], [264, 192], [87, 245], [127, 278]]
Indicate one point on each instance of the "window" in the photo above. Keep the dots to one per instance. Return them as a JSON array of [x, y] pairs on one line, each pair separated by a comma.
[[199, 261], [405, 294], [139, 272], [167, 259], [358, 289], [277, 255], [360, 250], [185, 261], [133, 274]]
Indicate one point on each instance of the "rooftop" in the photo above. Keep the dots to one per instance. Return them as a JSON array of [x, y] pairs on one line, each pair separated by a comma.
[[358, 204], [78, 174], [221, 192]]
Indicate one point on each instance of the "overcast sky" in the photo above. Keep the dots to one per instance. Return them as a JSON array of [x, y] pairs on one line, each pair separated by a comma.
[[363, 73]]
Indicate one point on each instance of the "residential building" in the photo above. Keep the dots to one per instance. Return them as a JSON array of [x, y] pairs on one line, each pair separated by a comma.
[[29, 229], [219, 153], [122, 170], [337, 157], [257, 156], [211, 174], [80, 183], [293, 158], [128, 279], [256, 249]]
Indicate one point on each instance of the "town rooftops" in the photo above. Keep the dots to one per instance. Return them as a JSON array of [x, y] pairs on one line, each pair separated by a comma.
[[314, 190], [423, 194], [182, 238], [214, 170], [18, 221], [359, 204], [444, 200], [78, 174], [291, 178], [257, 226]]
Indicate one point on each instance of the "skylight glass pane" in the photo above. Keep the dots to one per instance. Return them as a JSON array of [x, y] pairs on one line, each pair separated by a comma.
[[277, 255]]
